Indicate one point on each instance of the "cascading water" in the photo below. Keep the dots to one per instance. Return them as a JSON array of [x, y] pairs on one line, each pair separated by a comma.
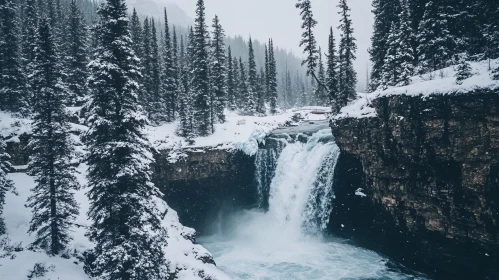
[[301, 190], [284, 240]]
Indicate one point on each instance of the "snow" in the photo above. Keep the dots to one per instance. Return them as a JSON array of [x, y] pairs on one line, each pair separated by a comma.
[[181, 251], [238, 133], [440, 82], [360, 192], [12, 126]]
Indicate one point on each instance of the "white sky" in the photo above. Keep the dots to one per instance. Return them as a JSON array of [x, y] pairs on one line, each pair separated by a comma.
[[280, 20]]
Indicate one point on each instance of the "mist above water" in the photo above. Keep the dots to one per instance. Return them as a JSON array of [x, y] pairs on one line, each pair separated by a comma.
[[287, 241]]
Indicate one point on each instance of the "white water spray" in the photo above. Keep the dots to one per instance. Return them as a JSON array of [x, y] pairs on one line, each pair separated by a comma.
[[286, 241]]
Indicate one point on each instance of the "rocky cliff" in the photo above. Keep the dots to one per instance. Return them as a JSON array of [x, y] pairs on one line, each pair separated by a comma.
[[206, 184], [429, 170]]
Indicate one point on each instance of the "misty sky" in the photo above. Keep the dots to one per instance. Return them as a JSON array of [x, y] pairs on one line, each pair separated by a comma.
[[280, 20]]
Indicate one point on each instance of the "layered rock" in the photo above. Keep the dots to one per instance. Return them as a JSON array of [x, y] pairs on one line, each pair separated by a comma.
[[429, 170]]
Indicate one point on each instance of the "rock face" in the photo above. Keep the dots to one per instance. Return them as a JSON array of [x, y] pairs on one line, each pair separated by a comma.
[[206, 185], [429, 168]]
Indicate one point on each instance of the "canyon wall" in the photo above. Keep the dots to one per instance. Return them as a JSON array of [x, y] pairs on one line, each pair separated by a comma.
[[206, 185], [426, 174]]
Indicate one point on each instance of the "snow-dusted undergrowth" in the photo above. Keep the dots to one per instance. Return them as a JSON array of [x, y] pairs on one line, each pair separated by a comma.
[[439, 82]]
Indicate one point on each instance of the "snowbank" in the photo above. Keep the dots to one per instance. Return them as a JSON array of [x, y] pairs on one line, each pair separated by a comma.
[[439, 82]]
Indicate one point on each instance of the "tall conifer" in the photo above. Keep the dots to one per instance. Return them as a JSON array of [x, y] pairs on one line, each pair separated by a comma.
[[126, 221]]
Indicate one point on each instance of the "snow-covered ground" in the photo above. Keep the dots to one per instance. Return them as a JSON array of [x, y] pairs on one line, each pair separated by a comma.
[[434, 83], [239, 132], [17, 260]]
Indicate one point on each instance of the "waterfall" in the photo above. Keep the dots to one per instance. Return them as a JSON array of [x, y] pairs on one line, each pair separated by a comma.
[[283, 239], [266, 163], [299, 195]]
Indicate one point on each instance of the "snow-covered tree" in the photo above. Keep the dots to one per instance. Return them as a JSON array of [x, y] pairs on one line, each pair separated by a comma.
[[308, 41], [5, 183], [30, 25], [385, 13], [436, 44], [391, 67], [218, 70], [332, 73], [348, 48], [321, 92], [463, 69], [406, 42], [52, 201], [76, 59], [243, 87], [169, 84], [156, 97], [251, 98], [237, 80], [146, 59], [272, 76], [126, 222], [13, 93], [231, 82], [200, 74], [136, 33]]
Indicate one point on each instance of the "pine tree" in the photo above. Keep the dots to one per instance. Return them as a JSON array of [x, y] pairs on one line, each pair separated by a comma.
[[30, 25], [272, 76], [5, 183], [136, 31], [332, 73], [185, 128], [156, 100], [13, 94], [147, 64], [176, 71], [219, 70], [287, 88], [260, 87], [348, 48], [463, 70], [391, 67], [320, 93], [52, 202], [385, 13], [200, 78], [308, 40], [126, 222], [251, 98], [237, 80], [490, 29], [76, 56], [231, 82], [243, 88], [169, 83], [267, 70], [436, 44], [406, 38]]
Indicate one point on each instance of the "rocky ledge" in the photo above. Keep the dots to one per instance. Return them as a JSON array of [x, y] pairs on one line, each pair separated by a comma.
[[420, 182]]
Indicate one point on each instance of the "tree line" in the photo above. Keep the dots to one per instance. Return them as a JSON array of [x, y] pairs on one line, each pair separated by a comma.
[[422, 36], [334, 85], [124, 74]]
